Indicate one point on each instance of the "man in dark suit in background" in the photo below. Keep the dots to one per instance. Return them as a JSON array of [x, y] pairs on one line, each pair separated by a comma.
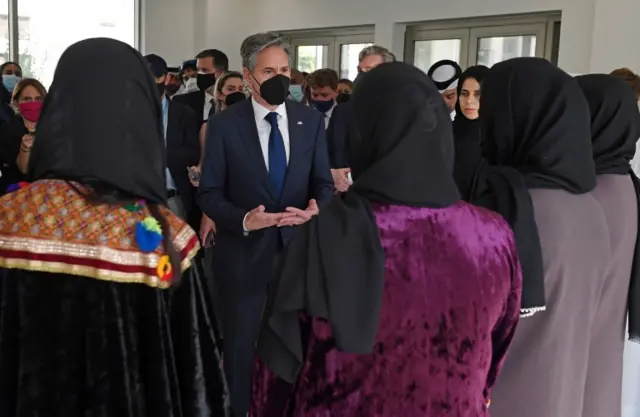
[[183, 150], [337, 131], [211, 64], [266, 171]]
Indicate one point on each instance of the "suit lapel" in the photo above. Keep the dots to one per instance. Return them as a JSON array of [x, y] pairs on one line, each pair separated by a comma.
[[251, 140]]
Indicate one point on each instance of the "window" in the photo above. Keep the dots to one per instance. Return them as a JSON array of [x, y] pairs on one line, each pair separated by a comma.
[[483, 41], [349, 54], [47, 28], [337, 49], [428, 53], [311, 57]]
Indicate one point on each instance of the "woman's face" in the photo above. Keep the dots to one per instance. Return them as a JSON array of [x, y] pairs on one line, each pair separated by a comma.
[[231, 85], [344, 88], [470, 98], [29, 94], [12, 69]]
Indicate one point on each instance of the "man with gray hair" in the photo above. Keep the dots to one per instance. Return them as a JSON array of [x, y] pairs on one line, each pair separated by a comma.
[[369, 58], [266, 171], [372, 56]]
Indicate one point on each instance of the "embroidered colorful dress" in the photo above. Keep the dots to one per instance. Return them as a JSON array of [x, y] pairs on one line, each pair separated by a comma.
[[90, 324]]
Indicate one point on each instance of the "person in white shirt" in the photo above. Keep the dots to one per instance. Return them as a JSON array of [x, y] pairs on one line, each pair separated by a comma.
[[211, 64], [323, 91], [265, 171]]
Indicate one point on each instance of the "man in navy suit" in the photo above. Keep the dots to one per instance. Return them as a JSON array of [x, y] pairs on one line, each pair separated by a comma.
[[266, 170]]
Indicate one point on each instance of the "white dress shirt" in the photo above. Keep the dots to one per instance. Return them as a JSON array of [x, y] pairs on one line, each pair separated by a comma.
[[327, 116], [264, 128], [208, 103]]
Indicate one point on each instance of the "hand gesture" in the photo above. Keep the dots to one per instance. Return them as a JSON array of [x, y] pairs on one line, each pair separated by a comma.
[[341, 180], [258, 219], [299, 216]]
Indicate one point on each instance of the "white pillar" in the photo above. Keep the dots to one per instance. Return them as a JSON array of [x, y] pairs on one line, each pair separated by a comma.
[[391, 36]]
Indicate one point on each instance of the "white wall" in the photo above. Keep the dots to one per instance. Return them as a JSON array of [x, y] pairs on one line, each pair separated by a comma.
[[596, 34], [170, 28]]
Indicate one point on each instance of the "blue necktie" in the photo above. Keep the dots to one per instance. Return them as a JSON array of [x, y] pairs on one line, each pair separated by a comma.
[[277, 155]]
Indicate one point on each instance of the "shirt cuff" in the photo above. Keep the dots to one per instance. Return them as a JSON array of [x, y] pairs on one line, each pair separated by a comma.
[[244, 229]]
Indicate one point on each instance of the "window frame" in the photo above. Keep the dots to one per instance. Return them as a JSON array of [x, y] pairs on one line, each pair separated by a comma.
[[539, 30], [14, 34], [333, 39], [437, 35], [471, 30]]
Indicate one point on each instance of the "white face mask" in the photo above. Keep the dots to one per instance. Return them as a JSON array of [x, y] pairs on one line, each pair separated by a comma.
[[191, 84]]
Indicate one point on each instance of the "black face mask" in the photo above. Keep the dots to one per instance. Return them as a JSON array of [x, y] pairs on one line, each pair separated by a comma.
[[234, 98], [171, 89], [343, 98], [205, 81], [275, 89], [160, 88]]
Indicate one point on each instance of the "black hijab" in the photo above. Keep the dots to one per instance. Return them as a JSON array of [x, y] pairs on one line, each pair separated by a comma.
[[535, 134], [101, 126], [466, 136], [102, 122], [401, 153], [615, 128]]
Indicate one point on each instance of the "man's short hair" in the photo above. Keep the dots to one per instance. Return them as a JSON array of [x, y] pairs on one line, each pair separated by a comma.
[[258, 42], [384, 53], [157, 65], [323, 78], [220, 59]]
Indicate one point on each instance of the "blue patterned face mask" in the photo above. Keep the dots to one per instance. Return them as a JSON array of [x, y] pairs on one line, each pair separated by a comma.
[[9, 81], [296, 92]]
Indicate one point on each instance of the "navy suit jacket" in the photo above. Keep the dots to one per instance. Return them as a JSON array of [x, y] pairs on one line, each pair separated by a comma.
[[235, 180], [338, 136], [183, 150]]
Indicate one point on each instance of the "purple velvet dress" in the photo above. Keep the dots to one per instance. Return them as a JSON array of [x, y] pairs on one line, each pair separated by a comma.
[[450, 308]]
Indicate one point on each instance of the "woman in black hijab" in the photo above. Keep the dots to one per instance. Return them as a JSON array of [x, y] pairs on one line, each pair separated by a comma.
[[466, 129], [375, 297], [540, 174], [101, 312], [615, 128]]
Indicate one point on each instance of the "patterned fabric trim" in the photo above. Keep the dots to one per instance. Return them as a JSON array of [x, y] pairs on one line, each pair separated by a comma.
[[47, 227]]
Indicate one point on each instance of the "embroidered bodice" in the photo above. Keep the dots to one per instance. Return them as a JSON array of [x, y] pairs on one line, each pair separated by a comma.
[[47, 226]]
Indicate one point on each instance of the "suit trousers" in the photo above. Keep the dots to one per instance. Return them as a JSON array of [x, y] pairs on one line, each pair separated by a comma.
[[240, 316]]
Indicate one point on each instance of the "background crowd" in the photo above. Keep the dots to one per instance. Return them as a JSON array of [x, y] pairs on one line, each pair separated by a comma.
[[456, 243]]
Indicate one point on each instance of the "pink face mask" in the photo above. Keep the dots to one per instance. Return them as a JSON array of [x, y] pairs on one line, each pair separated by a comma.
[[30, 110]]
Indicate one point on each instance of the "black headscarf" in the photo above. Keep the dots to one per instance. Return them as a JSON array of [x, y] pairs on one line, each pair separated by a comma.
[[615, 128], [101, 126], [401, 153], [466, 136], [101, 123], [535, 134]]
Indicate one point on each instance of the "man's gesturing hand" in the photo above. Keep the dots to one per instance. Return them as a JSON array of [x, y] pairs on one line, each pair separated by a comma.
[[257, 219], [299, 216]]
